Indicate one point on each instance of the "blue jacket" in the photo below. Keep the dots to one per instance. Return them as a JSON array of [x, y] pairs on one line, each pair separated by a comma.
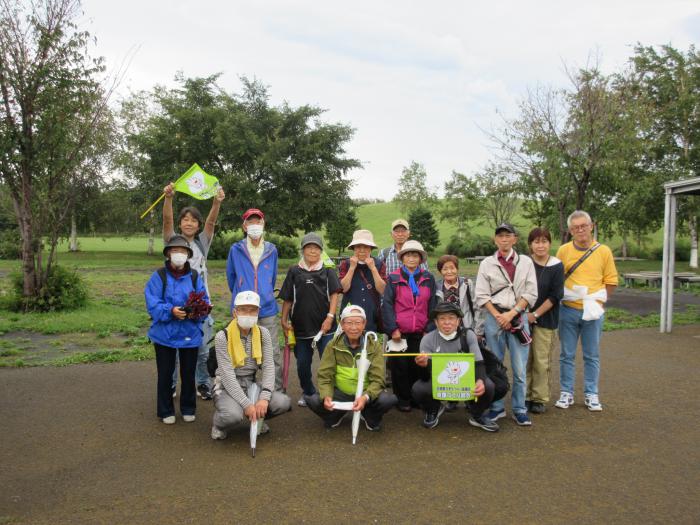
[[242, 276], [166, 330]]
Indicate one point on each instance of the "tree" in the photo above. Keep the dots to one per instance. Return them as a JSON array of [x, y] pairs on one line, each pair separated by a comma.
[[463, 202], [413, 189], [54, 123], [284, 160], [568, 145], [423, 228], [339, 230], [669, 81], [499, 192]]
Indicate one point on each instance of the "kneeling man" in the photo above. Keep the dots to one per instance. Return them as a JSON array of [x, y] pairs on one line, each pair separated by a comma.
[[337, 375], [242, 348], [450, 337]]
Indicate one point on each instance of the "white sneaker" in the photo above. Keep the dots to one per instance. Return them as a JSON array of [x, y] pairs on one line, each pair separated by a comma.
[[188, 419], [593, 403], [565, 400], [217, 433], [301, 402], [170, 420]]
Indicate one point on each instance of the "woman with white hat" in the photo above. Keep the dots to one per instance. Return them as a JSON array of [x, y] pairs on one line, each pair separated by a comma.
[[363, 278], [409, 297]]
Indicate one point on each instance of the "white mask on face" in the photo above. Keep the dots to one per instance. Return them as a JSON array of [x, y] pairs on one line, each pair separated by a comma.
[[448, 337], [178, 259], [247, 321], [255, 231]]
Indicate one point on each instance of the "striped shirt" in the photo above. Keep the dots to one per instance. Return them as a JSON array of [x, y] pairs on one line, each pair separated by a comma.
[[237, 380]]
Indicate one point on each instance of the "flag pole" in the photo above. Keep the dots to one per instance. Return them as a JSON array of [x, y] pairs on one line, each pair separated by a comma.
[[152, 206], [163, 195]]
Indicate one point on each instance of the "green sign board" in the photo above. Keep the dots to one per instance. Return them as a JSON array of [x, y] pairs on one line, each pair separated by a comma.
[[453, 377]]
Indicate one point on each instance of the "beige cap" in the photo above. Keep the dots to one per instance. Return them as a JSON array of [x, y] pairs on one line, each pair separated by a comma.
[[400, 222], [362, 237], [352, 310], [413, 246]]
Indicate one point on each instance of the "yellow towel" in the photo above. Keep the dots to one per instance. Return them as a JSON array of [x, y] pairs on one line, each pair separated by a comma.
[[235, 346]]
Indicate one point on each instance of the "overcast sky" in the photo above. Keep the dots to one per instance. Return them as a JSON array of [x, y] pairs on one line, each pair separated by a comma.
[[417, 80]]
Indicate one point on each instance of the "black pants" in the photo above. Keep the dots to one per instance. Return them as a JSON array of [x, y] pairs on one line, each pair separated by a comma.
[[405, 371], [165, 363], [373, 412], [422, 392]]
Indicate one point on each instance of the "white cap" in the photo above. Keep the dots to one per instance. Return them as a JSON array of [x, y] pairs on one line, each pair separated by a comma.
[[247, 297], [352, 310]]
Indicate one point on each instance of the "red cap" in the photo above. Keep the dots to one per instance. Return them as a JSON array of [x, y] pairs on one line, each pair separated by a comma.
[[253, 211]]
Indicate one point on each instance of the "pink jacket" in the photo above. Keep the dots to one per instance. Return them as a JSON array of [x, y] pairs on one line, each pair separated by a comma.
[[400, 310]]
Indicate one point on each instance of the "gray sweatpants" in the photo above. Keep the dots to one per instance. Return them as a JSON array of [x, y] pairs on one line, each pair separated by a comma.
[[228, 413], [272, 324]]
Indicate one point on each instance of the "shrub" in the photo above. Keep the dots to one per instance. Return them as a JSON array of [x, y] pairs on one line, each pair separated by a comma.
[[10, 244], [682, 251], [64, 290]]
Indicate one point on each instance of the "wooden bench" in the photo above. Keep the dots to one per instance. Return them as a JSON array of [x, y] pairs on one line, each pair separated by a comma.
[[476, 259], [687, 280]]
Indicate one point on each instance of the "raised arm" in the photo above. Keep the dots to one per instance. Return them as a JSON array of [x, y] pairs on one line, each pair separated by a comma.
[[168, 224], [210, 223]]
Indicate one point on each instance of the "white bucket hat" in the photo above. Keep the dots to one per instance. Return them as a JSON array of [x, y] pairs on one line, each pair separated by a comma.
[[413, 246], [362, 237]]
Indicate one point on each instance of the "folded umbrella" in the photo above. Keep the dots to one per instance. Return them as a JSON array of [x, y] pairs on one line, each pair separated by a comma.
[[362, 367]]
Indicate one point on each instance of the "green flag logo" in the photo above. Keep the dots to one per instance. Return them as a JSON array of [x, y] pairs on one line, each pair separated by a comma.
[[198, 183], [453, 376]]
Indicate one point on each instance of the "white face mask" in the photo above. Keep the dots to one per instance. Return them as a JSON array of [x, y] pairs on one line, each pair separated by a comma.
[[255, 231], [178, 259], [448, 337], [247, 321]]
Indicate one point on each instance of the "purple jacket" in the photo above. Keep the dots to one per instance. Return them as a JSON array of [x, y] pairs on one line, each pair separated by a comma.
[[400, 310]]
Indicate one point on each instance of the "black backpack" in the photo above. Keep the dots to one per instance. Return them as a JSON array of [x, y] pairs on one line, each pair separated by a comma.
[[495, 369]]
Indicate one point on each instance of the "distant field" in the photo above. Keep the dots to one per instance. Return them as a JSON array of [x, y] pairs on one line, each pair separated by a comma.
[[374, 217]]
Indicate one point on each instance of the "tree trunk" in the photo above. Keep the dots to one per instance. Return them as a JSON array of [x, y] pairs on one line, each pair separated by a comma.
[[623, 248], [151, 236], [693, 227], [563, 230], [73, 243]]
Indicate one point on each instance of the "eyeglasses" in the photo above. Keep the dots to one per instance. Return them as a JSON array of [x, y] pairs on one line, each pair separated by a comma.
[[581, 227], [352, 323]]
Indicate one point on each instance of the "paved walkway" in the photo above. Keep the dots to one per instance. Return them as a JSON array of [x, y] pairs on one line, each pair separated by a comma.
[[82, 445]]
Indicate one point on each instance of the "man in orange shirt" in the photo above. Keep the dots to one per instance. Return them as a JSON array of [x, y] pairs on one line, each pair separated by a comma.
[[590, 278]]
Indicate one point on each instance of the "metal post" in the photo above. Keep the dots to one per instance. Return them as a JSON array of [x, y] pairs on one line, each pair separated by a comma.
[[664, 268], [671, 262]]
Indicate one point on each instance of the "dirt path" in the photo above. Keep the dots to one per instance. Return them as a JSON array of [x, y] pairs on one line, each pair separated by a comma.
[[82, 445]]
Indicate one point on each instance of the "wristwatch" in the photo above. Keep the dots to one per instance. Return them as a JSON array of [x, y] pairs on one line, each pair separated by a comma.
[[535, 314], [518, 309]]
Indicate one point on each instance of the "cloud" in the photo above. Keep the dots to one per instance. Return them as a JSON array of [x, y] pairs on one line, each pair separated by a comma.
[[416, 80]]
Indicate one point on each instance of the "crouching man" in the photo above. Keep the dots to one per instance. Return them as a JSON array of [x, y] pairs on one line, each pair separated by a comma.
[[241, 349], [450, 337], [337, 375]]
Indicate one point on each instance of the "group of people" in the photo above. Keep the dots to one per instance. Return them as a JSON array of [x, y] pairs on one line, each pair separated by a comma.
[[517, 303]]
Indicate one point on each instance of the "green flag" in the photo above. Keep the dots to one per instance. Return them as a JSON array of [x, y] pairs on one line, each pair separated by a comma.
[[198, 183], [453, 377]]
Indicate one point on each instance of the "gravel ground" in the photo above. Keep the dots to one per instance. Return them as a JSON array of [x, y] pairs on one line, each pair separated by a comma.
[[82, 444]]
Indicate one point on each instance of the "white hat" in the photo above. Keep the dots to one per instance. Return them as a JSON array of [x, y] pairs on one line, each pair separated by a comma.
[[247, 297], [362, 237], [352, 310]]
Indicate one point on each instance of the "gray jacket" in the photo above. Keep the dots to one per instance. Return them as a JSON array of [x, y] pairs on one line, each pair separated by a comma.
[[493, 283], [237, 380]]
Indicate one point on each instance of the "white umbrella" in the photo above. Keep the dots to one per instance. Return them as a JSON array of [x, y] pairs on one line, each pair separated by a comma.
[[362, 367], [253, 395]]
